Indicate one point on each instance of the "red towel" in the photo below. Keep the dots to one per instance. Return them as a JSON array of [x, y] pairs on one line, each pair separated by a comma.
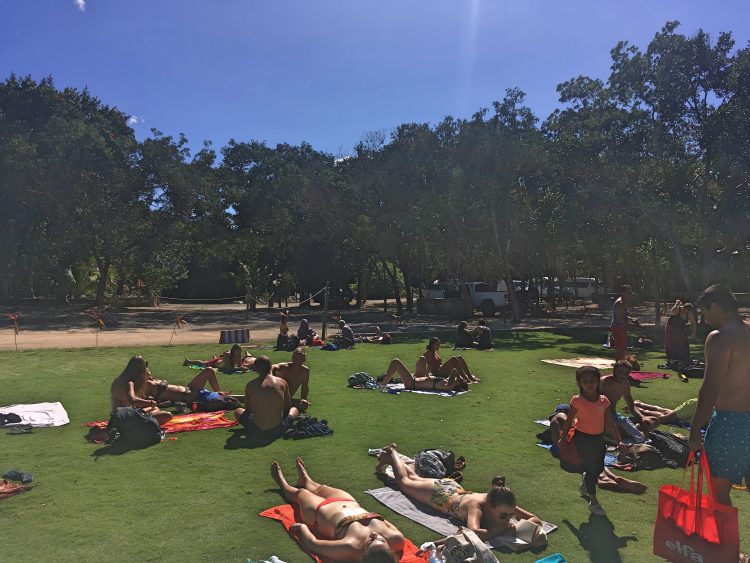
[[186, 422], [288, 515], [644, 375], [8, 489]]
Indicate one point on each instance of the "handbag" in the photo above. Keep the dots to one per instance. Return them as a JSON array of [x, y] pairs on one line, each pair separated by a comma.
[[692, 526], [465, 546], [570, 461]]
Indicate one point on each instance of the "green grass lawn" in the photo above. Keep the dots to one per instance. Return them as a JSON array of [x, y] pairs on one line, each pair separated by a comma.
[[195, 499]]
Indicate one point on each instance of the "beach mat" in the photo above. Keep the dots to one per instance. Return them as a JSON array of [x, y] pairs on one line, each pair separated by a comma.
[[601, 363], [399, 388], [38, 415], [644, 375], [429, 517], [8, 489], [186, 422], [288, 515]]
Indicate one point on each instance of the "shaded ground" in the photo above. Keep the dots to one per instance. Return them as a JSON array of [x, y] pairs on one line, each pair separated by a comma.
[[68, 326]]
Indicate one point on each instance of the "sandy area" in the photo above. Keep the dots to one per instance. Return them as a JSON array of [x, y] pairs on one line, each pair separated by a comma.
[[68, 325]]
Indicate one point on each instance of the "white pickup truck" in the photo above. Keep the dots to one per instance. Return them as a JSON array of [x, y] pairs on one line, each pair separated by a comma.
[[485, 299], [482, 296]]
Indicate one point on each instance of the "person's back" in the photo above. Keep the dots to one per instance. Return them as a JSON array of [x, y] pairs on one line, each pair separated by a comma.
[[484, 340], [266, 396], [734, 392]]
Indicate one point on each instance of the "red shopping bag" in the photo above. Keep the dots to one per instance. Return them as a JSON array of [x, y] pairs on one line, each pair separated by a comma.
[[569, 459], [692, 526]]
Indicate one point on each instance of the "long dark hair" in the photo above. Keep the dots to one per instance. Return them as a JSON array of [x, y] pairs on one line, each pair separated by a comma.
[[587, 370], [134, 371]]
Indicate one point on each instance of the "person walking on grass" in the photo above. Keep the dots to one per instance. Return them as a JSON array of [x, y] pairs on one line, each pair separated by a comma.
[[589, 416]]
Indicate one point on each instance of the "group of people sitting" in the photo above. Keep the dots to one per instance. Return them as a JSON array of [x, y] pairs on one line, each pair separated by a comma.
[[269, 409], [430, 373], [479, 337]]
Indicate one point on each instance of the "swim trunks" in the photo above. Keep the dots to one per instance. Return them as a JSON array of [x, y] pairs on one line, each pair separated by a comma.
[[446, 496], [265, 434], [727, 445]]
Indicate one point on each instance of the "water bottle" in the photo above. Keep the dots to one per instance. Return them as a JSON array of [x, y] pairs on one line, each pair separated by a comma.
[[431, 551]]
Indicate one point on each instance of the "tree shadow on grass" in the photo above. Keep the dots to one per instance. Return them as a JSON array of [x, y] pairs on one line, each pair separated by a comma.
[[597, 536]]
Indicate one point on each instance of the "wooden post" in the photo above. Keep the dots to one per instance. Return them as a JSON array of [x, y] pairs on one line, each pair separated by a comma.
[[325, 311]]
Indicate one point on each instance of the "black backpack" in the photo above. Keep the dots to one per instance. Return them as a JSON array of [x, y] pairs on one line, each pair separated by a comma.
[[134, 428], [671, 446]]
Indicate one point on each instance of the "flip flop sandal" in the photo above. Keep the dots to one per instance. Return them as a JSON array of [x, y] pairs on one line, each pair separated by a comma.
[[27, 429]]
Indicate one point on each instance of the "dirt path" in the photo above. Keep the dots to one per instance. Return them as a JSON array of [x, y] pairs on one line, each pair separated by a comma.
[[68, 326]]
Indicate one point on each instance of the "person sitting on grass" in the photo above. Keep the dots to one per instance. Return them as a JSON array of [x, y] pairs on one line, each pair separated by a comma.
[[431, 363], [131, 389], [297, 376], [306, 333], [230, 361], [487, 514], [346, 338], [425, 382], [464, 336], [484, 335], [350, 532], [376, 336], [268, 411], [616, 386], [192, 393]]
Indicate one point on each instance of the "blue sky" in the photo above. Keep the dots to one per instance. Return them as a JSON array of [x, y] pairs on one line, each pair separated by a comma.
[[326, 71]]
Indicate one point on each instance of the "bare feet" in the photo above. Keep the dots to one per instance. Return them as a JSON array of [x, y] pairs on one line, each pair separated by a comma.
[[277, 475], [302, 477]]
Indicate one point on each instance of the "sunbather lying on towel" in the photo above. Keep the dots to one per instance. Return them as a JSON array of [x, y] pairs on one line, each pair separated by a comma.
[[216, 399], [424, 382], [131, 389], [487, 514], [431, 363], [231, 360], [352, 533]]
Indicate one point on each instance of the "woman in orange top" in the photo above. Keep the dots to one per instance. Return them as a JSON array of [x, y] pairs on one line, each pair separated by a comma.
[[589, 415]]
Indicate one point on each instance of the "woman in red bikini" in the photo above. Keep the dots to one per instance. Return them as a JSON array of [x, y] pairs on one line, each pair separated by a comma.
[[351, 532]]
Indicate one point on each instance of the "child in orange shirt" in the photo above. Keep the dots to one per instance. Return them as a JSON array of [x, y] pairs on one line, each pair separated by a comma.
[[589, 416]]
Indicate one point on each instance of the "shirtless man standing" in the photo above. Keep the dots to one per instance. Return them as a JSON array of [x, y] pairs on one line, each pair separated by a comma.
[[620, 320], [268, 412], [296, 374], [724, 396]]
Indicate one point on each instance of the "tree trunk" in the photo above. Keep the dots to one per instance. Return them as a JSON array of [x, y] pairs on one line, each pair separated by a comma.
[[396, 290], [409, 294], [101, 285], [514, 301]]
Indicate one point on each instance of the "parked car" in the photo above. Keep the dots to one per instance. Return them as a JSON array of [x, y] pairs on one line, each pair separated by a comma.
[[584, 288]]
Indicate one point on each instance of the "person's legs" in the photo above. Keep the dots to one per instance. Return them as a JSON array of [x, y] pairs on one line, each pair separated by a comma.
[[397, 367], [410, 484], [591, 449], [304, 481], [613, 482], [162, 417], [199, 381], [721, 488], [306, 500]]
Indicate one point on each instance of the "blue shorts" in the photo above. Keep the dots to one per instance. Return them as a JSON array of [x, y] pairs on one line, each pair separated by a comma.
[[727, 445]]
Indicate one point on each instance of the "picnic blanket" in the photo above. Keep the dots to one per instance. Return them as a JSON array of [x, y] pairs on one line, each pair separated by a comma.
[[399, 388], [432, 519], [644, 375], [601, 363], [288, 515], [8, 489], [38, 415], [186, 422]]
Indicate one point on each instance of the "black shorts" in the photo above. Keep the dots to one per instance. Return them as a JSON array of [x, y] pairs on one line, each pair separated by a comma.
[[265, 434]]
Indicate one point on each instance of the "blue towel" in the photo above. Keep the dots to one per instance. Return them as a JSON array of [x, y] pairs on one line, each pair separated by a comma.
[[554, 558]]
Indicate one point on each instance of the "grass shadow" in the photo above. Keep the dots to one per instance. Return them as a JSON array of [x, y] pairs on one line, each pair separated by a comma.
[[597, 536], [238, 440]]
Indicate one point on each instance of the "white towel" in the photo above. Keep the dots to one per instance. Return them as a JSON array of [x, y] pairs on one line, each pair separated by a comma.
[[38, 415]]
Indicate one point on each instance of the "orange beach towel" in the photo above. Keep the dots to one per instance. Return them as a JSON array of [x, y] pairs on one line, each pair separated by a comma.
[[186, 422]]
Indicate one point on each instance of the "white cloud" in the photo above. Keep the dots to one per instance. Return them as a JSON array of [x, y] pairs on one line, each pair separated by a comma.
[[133, 120], [80, 4]]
